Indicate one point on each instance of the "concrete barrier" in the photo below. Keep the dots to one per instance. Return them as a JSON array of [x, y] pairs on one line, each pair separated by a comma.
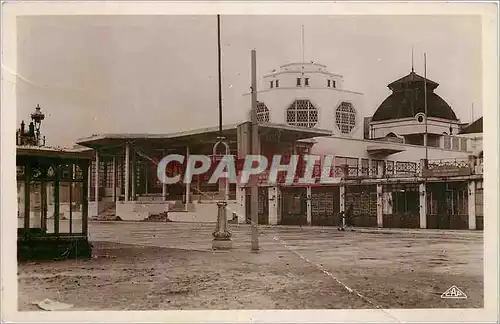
[[205, 212], [139, 210]]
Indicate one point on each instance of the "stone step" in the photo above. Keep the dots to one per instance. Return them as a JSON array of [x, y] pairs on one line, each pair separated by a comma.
[[161, 217]]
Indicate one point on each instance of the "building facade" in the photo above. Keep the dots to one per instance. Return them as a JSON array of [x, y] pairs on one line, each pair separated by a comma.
[[408, 169]]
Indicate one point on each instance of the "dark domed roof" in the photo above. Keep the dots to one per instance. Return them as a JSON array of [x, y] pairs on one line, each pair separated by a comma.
[[475, 127], [408, 99]]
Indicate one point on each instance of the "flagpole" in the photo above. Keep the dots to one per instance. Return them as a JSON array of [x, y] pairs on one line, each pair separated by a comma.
[[220, 74], [303, 49], [425, 109]]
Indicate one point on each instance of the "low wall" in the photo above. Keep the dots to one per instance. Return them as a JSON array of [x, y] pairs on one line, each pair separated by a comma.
[[139, 210], [103, 205], [64, 211], [205, 212]]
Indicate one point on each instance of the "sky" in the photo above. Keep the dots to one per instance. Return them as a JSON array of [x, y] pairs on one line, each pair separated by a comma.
[[158, 74]]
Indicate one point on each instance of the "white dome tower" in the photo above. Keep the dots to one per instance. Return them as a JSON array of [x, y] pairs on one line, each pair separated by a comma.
[[308, 95]]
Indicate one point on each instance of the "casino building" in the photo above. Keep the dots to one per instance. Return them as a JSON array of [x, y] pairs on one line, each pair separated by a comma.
[[379, 165]]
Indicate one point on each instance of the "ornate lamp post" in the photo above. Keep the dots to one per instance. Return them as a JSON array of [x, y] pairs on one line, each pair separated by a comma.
[[222, 237], [37, 118]]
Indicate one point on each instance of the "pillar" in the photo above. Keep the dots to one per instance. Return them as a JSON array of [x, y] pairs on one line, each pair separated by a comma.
[[105, 174], [220, 184], [85, 206], [188, 185], [96, 186], [309, 209], [472, 204], [56, 201], [134, 175], [381, 169], [146, 177], [89, 180], [342, 201], [242, 204], [164, 191], [273, 205], [422, 190], [127, 171], [380, 205], [222, 237], [371, 169], [113, 180]]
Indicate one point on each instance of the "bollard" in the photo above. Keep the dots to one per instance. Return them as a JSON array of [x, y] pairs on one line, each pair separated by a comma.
[[222, 237]]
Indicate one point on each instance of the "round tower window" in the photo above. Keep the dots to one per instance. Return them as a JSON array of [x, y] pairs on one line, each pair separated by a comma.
[[302, 113], [345, 117], [262, 113]]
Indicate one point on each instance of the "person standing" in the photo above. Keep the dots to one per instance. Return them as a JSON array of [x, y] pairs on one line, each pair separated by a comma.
[[349, 215]]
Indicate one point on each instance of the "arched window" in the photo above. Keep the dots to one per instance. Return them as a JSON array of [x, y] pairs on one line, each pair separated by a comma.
[[345, 117], [302, 113], [262, 113]]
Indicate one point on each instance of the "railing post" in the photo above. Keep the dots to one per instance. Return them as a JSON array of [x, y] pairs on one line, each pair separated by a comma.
[[424, 165], [381, 169]]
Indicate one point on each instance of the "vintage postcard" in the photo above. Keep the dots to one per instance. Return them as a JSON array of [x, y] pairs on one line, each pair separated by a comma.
[[249, 161]]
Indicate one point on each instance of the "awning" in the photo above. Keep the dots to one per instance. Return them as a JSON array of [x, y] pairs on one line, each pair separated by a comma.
[[384, 149], [116, 142], [53, 152]]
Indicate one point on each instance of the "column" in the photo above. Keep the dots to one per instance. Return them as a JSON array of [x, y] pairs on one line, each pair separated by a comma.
[[188, 185], [105, 174], [56, 201], [380, 205], [198, 188], [422, 190], [113, 180], [85, 206], [126, 164], [342, 202], [134, 175], [380, 169], [423, 167], [164, 185], [164, 191], [273, 205], [242, 203], [222, 188], [472, 163], [309, 209], [146, 177], [96, 179], [472, 204], [89, 180], [278, 205], [371, 171]]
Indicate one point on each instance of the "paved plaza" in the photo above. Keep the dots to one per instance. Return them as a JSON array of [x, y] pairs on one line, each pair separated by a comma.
[[157, 266]]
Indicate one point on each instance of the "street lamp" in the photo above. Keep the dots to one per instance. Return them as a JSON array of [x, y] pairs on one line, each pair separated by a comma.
[[37, 118], [221, 235]]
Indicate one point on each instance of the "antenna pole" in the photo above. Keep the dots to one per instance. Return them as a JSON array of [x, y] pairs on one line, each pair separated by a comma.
[[303, 49], [472, 112], [254, 190], [220, 77], [425, 108], [412, 69]]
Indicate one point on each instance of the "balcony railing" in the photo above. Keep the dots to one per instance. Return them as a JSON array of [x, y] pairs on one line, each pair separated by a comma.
[[392, 169], [451, 163]]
